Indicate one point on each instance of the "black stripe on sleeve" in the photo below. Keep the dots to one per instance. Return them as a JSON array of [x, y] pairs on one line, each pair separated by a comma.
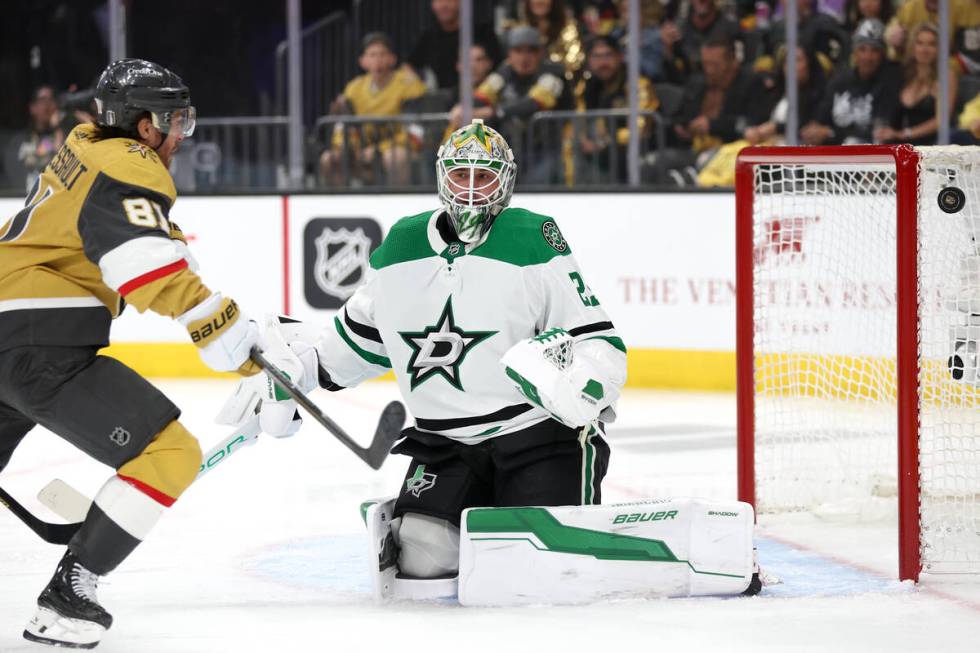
[[591, 328], [103, 221], [363, 330], [460, 422]]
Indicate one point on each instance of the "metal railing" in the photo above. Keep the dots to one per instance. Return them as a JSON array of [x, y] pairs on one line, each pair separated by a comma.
[[379, 151], [234, 154], [553, 148], [583, 148], [328, 62]]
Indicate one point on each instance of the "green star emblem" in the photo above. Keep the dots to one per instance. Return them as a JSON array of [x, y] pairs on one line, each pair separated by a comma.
[[439, 350]]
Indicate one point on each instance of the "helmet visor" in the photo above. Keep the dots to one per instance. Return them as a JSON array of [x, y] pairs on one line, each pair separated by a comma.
[[181, 121]]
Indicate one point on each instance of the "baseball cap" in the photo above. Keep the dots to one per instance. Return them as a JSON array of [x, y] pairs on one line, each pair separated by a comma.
[[523, 36], [870, 31]]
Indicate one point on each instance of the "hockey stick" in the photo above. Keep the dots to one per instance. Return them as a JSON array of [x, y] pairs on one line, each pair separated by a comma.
[[245, 435], [388, 430], [51, 533], [71, 505]]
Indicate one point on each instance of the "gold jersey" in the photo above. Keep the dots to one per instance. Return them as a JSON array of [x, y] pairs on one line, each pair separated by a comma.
[[94, 235]]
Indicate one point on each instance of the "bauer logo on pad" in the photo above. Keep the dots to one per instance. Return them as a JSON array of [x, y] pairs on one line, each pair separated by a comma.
[[336, 255]]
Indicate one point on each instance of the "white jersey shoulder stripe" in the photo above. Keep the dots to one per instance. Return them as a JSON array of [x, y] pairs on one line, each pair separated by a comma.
[[49, 302], [136, 257]]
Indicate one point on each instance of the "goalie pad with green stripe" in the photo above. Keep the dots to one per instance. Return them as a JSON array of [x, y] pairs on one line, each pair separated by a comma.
[[580, 554]]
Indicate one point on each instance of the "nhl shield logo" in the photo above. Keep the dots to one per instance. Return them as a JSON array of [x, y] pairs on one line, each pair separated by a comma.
[[337, 258], [341, 261]]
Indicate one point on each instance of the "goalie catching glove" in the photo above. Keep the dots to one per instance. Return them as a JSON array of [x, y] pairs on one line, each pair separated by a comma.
[[574, 381], [286, 344]]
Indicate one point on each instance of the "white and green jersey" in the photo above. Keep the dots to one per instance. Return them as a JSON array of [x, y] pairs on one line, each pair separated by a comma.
[[441, 315]]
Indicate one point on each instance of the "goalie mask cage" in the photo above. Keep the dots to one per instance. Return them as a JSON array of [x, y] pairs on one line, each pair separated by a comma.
[[852, 286]]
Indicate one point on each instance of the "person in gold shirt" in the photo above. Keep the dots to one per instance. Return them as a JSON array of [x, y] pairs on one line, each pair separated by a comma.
[[95, 235], [916, 12], [968, 123], [380, 91]]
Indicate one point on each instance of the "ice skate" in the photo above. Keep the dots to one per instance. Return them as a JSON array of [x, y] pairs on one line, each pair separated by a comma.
[[69, 614]]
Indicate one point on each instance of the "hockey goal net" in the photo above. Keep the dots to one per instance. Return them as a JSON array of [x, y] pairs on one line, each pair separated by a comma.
[[858, 276]]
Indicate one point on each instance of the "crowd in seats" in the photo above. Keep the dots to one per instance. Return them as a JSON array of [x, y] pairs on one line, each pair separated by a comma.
[[551, 75], [713, 70]]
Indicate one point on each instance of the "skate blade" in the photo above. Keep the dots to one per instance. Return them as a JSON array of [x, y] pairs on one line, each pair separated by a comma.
[[49, 627]]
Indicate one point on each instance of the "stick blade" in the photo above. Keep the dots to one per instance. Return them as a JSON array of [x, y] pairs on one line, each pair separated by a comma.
[[64, 501], [389, 430]]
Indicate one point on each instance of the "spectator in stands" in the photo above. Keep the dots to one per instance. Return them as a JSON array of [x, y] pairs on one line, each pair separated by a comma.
[[969, 124], [966, 40], [601, 17], [652, 54], [817, 32], [480, 66], [560, 32], [604, 148], [811, 85], [682, 43], [523, 85], [716, 107], [27, 152], [914, 119], [860, 97], [380, 91], [435, 55], [916, 12], [857, 10]]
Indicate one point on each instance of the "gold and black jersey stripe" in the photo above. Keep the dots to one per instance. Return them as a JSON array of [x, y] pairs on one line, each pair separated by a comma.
[[94, 234]]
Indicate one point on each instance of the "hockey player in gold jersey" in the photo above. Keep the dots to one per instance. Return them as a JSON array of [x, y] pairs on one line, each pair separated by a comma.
[[93, 236]]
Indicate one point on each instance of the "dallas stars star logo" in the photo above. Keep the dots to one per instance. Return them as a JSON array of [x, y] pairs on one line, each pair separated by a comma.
[[439, 350]]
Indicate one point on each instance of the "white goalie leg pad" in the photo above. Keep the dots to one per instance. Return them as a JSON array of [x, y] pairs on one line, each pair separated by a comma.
[[429, 546], [580, 554], [383, 538]]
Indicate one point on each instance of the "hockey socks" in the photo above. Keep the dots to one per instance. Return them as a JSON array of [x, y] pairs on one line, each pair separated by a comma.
[[122, 515]]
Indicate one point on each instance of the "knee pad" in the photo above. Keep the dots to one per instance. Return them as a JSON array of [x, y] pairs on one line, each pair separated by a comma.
[[169, 464], [429, 546]]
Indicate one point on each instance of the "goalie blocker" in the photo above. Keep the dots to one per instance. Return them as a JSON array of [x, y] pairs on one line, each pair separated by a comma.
[[579, 554]]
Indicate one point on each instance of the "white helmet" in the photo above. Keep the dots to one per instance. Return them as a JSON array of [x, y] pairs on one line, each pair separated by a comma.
[[475, 172]]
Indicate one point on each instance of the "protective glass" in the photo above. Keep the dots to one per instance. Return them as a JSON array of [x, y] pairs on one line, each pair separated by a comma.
[[182, 121]]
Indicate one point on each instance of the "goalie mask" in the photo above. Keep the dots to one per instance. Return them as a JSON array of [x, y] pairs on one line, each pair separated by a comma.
[[475, 172]]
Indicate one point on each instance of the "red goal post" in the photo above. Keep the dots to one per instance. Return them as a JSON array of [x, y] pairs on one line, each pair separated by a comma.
[[828, 312]]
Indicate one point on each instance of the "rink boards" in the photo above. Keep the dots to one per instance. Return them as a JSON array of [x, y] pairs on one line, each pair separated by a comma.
[[663, 266]]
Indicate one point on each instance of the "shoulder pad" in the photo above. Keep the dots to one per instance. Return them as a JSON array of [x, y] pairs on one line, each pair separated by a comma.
[[408, 240], [132, 163], [522, 238]]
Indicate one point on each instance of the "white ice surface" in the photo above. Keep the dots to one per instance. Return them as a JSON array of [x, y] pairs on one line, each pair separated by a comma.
[[267, 554]]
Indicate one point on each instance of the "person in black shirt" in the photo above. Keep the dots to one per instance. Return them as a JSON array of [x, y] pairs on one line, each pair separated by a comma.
[[436, 52], [859, 98], [811, 86], [914, 117], [682, 43]]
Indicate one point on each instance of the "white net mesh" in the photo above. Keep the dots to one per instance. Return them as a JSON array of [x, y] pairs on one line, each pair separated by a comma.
[[825, 341], [949, 432]]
